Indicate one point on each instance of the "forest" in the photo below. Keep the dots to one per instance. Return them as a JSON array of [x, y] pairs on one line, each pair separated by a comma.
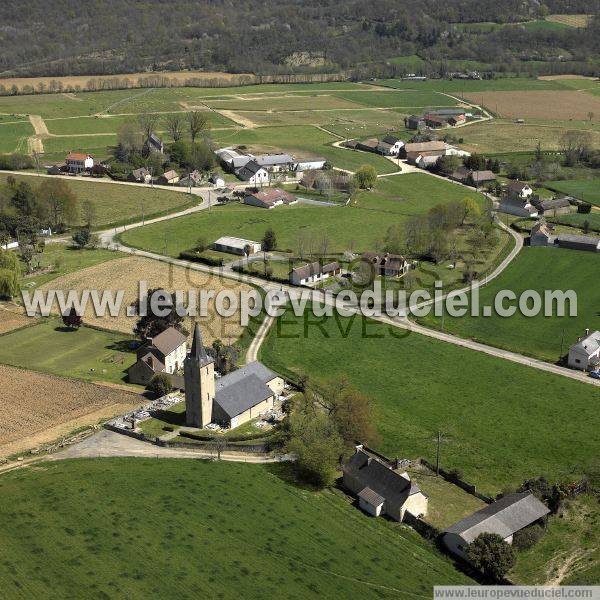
[[67, 37]]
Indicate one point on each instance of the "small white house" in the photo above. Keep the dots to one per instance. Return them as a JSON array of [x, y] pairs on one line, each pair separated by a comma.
[[585, 353], [313, 272], [253, 173], [519, 189]]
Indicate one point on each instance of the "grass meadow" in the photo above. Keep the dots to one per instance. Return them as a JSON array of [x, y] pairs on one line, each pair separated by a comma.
[[118, 204], [13, 136], [359, 225], [502, 422], [88, 354], [105, 526], [543, 337], [585, 189]]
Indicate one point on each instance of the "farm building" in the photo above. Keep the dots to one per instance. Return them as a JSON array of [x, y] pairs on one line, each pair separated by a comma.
[[552, 207], [169, 178], [414, 122], [578, 242], [313, 272], [275, 163], [192, 179], [461, 174], [505, 517], [455, 120], [394, 144], [387, 265], [434, 121], [270, 198], [235, 245], [141, 175], [309, 164], [232, 159], [164, 353], [542, 234], [382, 489], [232, 400], [252, 172], [585, 353], [436, 148], [422, 159], [479, 178], [78, 162]]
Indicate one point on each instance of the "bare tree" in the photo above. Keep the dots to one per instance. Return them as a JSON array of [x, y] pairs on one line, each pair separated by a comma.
[[148, 123], [197, 122], [175, 126]]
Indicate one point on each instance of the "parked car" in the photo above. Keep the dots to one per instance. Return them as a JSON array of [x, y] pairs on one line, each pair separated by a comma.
[[595, 374]]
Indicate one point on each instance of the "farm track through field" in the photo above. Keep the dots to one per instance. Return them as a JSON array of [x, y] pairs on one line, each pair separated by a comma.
[[35, 142]]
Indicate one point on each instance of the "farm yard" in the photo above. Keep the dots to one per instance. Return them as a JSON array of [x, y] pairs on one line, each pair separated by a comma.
[[115, 277], [39, 408], [482, 405], [278, 537]]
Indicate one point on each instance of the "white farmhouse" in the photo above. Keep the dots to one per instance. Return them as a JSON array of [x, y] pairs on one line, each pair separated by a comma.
[[253, 173], [585, 353]]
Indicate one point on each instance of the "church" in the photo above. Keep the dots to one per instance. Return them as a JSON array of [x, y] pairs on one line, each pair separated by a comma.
[[231, 400]]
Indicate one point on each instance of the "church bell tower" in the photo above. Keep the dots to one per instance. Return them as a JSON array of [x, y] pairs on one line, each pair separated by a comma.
[[199, 375]]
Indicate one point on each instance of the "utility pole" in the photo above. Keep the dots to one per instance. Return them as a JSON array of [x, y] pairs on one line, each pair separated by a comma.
[[562, 340], [437, 459]]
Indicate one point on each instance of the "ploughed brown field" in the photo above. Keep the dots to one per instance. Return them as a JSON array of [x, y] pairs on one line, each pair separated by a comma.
[[12, 318], [125, 274], [555, 105], [176, 78], [37, 409]]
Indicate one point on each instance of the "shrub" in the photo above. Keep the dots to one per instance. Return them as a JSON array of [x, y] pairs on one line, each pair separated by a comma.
[[160, 385], [584, 208], [490, 553], [455, 474], [195, 257], [528, 537]]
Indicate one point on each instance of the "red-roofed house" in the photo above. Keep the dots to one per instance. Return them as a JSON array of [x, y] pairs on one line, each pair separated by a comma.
[[78, 162]]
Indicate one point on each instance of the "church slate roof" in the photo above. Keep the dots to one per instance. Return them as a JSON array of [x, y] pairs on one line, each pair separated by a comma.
[[240, 395]]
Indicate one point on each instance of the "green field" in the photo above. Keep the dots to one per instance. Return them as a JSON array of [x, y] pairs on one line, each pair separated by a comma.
[[360, 225], [107, 527], [13, 136], [579, 220], [502, 422], [118, 204], [542, 337], [483, 85], [87, 353], [585, 189]]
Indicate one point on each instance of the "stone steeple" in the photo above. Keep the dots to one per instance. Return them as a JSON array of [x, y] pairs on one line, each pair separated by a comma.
[[199, 375]]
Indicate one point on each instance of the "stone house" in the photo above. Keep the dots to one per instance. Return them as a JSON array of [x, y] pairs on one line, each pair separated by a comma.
[[585, 353], [381, 489], [164, 353]]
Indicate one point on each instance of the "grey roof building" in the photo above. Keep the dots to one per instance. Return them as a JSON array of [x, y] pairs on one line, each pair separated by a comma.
[[231, 400], [382, 489], [505, 517], [585, 353], [578, 242]]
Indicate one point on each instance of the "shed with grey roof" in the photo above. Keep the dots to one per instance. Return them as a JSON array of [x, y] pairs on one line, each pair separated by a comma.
[[578, 242], [505, 517]]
